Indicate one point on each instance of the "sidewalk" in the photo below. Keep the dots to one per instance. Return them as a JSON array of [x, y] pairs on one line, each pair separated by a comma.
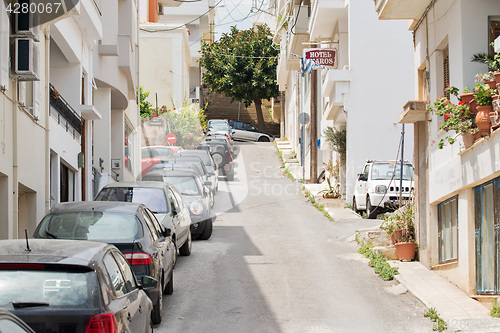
[[461, 312]]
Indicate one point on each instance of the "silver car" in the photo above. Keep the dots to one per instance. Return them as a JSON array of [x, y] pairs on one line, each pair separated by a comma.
[[247, 132], [163, 200], [207, 159]]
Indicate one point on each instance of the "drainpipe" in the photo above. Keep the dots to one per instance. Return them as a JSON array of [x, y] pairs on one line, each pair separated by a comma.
[[12, 233], [47, 121]]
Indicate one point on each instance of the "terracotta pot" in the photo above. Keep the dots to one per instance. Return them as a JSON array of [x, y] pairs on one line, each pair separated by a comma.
[[496, 102], [473, 105], [495, 119], [466, 98], [483, 120], [396, 235], [497, 77], [468, 139], [405, 251], [491, 83]]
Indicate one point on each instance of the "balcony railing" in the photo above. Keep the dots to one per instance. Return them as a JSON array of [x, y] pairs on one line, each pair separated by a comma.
[[64, 111]]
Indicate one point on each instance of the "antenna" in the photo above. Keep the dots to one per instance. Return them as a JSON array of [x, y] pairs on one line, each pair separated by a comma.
[[27, 243]]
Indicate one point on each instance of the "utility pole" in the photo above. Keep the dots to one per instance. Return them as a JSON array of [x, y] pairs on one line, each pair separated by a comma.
[[314, 137]]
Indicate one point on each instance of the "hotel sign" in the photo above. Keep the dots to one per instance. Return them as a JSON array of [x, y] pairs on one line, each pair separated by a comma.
[[323, 57]]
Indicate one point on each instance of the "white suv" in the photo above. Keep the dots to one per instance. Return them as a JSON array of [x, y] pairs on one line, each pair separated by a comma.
[[377, 188]]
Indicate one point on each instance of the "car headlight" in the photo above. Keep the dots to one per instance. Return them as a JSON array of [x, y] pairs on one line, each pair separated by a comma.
[[196, 207], [380, 189]]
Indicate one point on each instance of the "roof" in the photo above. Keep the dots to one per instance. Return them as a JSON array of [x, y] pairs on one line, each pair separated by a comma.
[[55, 251], [100, 206]]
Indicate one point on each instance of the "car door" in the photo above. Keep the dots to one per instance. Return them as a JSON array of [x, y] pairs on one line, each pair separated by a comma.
[[360, 187], [238, 133], [182, 211], [128, 307], [251, 133], [179, 229], [160, 244]]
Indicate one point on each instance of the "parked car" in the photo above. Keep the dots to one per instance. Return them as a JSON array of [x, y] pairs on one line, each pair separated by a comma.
[[221, 155], [163, 200], [211, 122], [196, 197], [222, 128], [247, 132], [66, 286], [206, 175], [221, 138], [150, 155], [377, 188], [207, 160], [131, 227], [12, 323]]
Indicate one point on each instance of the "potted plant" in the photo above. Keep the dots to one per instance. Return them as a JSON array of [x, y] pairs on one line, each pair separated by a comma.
[[393, 227], [483, 95], [456, 117], [403, 219], [332, 191]]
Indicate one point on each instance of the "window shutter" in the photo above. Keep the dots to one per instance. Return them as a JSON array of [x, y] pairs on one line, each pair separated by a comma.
[[4, 48], [446, 72], [21, 94]]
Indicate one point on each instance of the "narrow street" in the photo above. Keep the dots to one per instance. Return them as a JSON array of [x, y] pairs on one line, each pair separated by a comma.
[[276, 264]]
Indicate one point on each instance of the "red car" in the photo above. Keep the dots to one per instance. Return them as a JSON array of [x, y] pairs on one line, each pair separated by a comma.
[[151, 155]]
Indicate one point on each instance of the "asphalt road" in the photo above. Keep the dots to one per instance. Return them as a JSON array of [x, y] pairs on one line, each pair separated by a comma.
[[275, 264]]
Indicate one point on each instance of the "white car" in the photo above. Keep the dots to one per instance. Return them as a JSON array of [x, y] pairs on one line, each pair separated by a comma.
[[377, 188]]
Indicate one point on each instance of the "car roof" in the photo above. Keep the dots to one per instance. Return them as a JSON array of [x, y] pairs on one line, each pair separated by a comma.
[[174, 147], [188, 152], [141, 184], [181, 158], [51, 251], [100, 206]]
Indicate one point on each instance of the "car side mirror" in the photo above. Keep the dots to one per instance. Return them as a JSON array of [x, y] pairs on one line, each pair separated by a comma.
[[148, 282], [167, 232], [206, 191], [362, 177]]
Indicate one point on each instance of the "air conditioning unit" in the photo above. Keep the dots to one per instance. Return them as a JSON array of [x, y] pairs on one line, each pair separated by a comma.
[[26, 24], [25, 59], [160, 9]]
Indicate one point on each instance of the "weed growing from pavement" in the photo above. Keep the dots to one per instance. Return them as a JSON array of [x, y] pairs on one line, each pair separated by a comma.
[[312, 199], [378, 261], [495, 309], [287, 173], [439, 323]]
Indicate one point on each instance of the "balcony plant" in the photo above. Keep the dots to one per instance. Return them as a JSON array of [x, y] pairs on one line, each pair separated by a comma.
[[405, 244], [483, 95], [456, 117]]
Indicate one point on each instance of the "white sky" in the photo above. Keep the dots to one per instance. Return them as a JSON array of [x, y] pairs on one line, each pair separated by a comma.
[[235, 12]]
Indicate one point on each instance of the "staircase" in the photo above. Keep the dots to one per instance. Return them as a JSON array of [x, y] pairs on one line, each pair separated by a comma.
[[220, 107]]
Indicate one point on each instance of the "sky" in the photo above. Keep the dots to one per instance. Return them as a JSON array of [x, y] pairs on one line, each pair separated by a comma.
[[236, 12]]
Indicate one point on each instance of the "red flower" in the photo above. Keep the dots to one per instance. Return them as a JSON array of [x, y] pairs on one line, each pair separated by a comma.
[[447, 84], [461, 103], [154, 115], [447, 116]]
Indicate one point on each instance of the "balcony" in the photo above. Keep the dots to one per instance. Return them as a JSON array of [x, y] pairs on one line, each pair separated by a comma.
[[324, 18], [90, 19], [336, 83], [401, 9], [126, 57], [169, 3], [64, 113]]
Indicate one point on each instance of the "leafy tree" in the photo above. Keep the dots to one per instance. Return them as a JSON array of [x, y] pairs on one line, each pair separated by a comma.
[[145, 107], [242, 65]]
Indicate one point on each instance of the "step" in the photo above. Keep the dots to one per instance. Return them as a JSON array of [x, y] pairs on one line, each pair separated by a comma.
[[388, 251]]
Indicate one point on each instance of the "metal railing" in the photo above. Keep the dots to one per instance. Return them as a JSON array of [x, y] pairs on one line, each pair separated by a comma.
[[65, 110]]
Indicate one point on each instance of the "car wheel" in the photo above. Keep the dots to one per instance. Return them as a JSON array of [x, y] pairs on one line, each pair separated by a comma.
[[158, 307], [371, 212], [207, 231], [185, 249], [217, 159], [263, 139], [355, 206], [169, 288]]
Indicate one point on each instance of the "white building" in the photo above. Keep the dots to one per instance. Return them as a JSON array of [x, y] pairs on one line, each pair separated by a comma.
[[363, 94], [457, 188]]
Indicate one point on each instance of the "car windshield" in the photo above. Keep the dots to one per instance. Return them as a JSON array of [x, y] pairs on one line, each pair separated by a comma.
[[186, 184], [72, 289], [385, 171], [154, 198], [99, 226]]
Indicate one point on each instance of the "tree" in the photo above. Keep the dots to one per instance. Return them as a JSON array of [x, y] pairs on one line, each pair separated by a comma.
[[145, 107], [242, 65]]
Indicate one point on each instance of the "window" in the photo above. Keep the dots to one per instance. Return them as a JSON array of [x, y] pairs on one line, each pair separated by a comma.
[[448, 230], [127, 272], [115, 275], [67, 186], [155, 233], [446, 72]]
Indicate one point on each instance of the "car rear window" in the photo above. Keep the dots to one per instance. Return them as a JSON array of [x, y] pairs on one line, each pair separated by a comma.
[[20, 287], [99, 226], [154, 198], [186, 185]]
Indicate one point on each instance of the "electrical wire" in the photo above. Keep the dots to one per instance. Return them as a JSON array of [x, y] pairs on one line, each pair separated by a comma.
[[296, 18]]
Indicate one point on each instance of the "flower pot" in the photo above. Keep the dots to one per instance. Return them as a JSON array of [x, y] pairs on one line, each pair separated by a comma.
[[468, 139], [329, 195], [497, 77], [483, 120], [496, 102], [405, 251], [472, 105], [466, 98], [491, 83], [397, 234]]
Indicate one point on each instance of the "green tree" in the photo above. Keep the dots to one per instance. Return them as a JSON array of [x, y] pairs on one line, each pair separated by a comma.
[[145, 106], [242, 65]]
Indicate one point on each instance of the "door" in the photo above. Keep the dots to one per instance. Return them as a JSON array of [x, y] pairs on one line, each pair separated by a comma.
[[487, 227]]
